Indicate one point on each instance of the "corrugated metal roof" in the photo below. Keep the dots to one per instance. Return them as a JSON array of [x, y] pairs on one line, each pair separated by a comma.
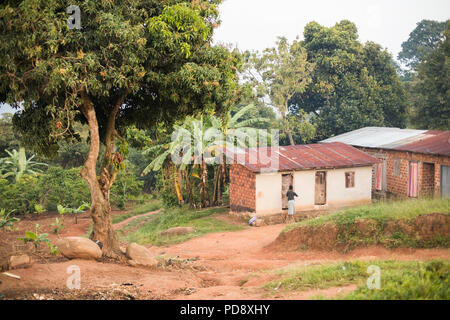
[[421, 141], [305, 157]]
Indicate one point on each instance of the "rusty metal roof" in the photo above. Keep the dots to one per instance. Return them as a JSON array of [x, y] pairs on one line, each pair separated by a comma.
[[304, 157], [420, 141]]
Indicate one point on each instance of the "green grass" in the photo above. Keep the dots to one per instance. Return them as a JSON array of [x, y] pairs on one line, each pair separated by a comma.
[[148, 207], [381, 211], [204, 221], [398, 280], [382, 214]]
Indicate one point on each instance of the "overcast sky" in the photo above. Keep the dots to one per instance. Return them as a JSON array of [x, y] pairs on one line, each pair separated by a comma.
[[256, 24]]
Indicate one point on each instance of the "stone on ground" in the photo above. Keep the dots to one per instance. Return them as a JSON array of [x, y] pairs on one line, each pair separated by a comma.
[[78, 248], [140, 255], [177, 231], [22, 261], [258, 223]]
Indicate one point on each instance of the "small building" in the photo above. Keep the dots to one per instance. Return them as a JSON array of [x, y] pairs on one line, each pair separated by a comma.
[[414, 163], [325, 175]]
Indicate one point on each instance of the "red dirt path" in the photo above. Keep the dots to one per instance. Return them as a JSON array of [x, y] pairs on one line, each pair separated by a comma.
[[229, 265]]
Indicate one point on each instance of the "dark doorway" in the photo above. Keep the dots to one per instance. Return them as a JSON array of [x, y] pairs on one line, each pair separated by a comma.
[[321, 188], [286, 181]]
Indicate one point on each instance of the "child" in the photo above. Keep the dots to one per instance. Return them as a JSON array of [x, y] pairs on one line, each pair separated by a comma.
[[291, 203]]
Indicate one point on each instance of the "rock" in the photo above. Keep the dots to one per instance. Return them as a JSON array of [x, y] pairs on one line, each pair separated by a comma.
[[78, 248], [140, 255], [22, 261], [177, 231], [258, 223]]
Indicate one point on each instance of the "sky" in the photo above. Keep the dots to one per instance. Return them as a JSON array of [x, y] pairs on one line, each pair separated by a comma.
[[256, 24]]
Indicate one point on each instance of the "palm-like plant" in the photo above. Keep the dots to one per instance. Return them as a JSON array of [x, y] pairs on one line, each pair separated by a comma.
[[203, 130], [17, 164]]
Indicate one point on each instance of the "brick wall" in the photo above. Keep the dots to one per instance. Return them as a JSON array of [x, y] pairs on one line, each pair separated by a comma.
[[428, 177], [242, 189]]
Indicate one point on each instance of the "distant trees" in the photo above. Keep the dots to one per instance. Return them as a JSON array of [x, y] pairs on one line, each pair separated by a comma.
[[430, 94], [421, 42], [353, 85], [277, 74]]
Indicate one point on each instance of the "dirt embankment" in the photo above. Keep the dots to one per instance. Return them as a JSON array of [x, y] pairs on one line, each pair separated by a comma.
[[425, 231]]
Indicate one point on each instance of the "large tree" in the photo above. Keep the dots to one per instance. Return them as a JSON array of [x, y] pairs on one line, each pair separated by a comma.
[[430, 92], [132, 62], [277, 74], [422, 41], [353, 85]]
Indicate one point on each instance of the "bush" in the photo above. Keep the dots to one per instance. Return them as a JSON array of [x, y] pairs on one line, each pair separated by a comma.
[[125, 187], [21, 196], [64, 187]]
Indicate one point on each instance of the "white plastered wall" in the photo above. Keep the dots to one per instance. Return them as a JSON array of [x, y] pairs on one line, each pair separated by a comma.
[[268, 190]]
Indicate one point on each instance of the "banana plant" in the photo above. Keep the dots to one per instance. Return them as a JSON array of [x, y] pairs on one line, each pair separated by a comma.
[[17, 164]]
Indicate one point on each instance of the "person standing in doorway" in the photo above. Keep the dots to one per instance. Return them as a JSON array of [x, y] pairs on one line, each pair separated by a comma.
[[291, 204]]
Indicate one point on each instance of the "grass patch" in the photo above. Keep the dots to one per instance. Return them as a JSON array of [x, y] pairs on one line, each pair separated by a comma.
[[148, 207], [203, 221], [398, 280], [381, 211]]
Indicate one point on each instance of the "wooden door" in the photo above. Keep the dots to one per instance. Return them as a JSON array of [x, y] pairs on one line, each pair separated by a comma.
[[321, 188], [413, 177], [286, 181]]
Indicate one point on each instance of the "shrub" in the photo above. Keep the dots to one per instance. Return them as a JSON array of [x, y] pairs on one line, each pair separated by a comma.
[[125, 187], [64, 187], [21, 196]]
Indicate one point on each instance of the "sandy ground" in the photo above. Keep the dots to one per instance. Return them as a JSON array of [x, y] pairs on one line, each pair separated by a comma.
[[229, 265]]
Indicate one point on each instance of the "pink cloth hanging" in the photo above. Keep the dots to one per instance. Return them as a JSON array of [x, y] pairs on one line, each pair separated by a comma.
[[379, 176]]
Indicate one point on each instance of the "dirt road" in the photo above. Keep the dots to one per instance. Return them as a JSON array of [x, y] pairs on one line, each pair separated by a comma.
[[229, 265]]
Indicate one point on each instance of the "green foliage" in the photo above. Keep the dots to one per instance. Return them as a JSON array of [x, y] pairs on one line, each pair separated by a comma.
[[157, 54], [64, 187], [6, 221], [125, 187], [353, 85], [21, 196], [430, 89], [73, 211], [203, 221], [279, 73], [37, 239], [9, 139], [421, 42], [396, 214], [18, 165], [381, 211], [57, 226], [409, 280], [38, 208], [148, 207]]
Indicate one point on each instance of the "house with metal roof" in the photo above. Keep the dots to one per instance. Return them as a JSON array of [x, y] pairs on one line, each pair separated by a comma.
[[413, 163], [324, 176]]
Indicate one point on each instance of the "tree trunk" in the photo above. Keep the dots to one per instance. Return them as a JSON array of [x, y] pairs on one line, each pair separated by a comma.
[[177, 182], [287, 130], [99, 188], [204, 185]]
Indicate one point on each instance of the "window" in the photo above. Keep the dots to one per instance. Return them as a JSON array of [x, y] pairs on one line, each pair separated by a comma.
[[350, 179], [397, 165]]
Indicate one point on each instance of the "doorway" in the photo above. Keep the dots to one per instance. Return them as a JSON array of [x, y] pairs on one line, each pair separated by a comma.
[[413, 179], [321, 188], [286, 181]]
